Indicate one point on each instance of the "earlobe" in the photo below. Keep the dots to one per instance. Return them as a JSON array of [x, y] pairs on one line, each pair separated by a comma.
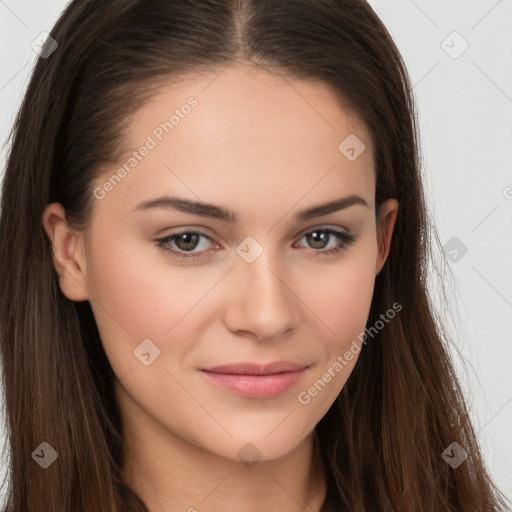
[[385, 227], [68, 253]]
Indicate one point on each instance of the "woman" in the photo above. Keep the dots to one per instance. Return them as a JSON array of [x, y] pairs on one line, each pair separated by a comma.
[[214, 246]]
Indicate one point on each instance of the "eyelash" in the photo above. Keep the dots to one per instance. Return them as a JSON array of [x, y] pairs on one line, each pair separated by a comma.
[[347, 240]]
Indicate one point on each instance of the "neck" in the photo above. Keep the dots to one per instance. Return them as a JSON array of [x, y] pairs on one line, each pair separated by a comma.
[[170, 474]]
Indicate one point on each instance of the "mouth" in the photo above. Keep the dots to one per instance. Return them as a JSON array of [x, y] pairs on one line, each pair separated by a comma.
[[253, 380]]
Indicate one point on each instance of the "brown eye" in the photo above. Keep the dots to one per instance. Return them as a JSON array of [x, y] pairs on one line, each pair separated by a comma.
[[181, 245], [186, 242], [320, 238]]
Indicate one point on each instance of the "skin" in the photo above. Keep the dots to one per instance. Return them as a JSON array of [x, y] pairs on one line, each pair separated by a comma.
[[265, 147]]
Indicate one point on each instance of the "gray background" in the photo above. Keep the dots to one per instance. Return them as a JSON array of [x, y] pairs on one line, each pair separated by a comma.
[[465, 107]]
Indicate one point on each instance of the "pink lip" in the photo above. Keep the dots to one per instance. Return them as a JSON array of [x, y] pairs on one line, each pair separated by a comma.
[[254, 380], [251, 368]]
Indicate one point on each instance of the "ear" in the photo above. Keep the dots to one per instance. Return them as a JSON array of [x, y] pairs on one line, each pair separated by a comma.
[[68, 253], [385, 225]]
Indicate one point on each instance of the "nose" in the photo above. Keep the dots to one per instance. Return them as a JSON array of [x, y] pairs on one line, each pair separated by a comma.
[[263, 302]]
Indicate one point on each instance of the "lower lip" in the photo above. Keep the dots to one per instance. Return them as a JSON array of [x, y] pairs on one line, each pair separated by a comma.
[[256, 386]]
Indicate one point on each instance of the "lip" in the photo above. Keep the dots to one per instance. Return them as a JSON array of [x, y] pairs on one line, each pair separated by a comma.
[[252, 368], [253, 380]]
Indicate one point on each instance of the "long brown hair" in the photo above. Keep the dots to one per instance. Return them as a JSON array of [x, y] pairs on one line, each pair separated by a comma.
[[383, 438]]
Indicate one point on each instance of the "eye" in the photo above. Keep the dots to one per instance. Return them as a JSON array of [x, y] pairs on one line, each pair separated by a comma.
[[318, 237], [187, 241]]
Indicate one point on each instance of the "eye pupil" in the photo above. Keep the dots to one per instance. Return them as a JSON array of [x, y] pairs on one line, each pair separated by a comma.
[[322, 237], [186, 238]]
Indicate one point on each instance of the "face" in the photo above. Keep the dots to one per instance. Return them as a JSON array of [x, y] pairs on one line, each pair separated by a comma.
[[175, 292]]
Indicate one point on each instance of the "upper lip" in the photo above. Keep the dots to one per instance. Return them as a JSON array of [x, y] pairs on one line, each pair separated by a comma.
[[252, 368]]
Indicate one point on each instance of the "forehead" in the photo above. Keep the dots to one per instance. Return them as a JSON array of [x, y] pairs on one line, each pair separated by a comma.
[[246, 131]]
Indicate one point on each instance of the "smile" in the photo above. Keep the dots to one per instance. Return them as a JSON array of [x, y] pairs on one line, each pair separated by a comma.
[[255, 386]]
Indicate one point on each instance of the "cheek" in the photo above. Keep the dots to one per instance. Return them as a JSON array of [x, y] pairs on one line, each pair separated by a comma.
[[137, 296], [131, 282], [134, 300], [343, 298], [342, 303]]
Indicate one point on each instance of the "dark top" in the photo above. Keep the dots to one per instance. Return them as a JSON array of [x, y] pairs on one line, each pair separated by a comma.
[[330, 504], [332, 499]]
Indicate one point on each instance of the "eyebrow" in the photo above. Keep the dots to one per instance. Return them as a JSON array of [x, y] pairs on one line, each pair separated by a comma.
[[221, 213]]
